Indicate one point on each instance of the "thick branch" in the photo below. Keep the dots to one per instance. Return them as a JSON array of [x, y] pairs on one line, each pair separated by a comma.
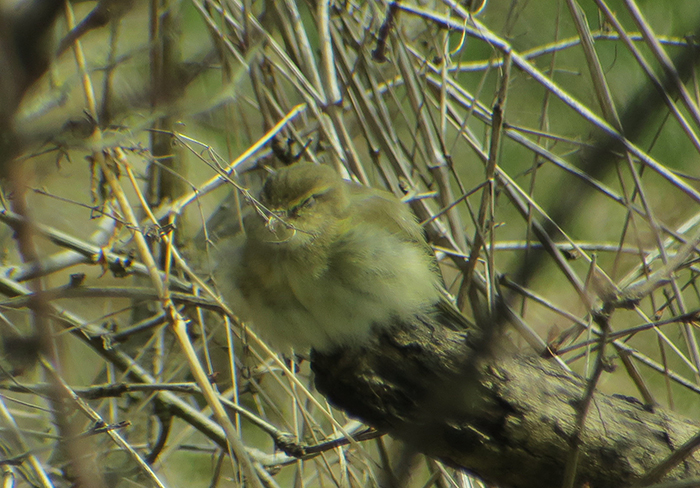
[[508, 418]]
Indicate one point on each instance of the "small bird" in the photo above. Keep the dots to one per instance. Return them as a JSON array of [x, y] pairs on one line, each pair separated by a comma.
[[325, 261]]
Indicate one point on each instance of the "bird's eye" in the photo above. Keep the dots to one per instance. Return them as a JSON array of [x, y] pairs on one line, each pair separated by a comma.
[[308, 203]]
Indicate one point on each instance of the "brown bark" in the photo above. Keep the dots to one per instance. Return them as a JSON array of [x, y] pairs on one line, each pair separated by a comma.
[[508, 418]]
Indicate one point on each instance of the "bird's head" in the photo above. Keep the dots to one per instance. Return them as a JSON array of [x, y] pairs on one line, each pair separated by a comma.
[[306, 201]]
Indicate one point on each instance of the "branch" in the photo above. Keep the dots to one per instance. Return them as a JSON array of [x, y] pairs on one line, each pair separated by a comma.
[[509, 418]]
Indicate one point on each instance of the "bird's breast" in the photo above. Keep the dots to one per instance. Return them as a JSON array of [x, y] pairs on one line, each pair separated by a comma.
[[323, 297]]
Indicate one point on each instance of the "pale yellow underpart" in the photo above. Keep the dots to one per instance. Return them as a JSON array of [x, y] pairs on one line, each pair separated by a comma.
[[339, 307]]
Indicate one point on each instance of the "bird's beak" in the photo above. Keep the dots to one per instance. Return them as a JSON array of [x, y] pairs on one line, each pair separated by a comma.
[[277, 227], [276, 221]]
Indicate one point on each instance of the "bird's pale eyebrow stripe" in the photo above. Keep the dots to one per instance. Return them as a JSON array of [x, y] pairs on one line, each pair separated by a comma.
[[314, 192]]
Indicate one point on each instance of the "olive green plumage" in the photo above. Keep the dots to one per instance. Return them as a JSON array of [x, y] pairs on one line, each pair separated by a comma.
[[334, 260]]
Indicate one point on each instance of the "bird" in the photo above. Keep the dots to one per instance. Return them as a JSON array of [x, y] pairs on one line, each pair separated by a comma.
[[325, 262]]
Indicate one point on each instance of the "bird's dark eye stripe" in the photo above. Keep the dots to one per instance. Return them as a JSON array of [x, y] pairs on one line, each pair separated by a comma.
[[301, 202], [307, 202]]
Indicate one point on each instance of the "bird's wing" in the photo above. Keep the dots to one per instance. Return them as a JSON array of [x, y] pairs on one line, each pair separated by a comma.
[[389, 213]]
